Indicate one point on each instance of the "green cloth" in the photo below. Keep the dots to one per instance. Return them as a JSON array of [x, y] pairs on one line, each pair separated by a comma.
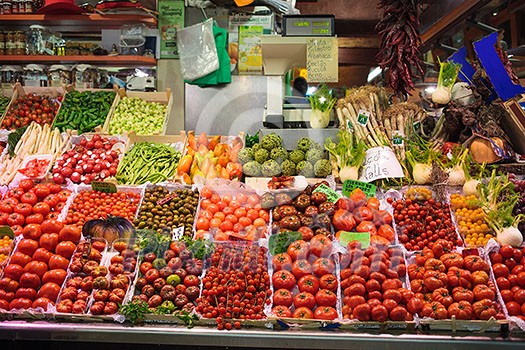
[[223, 74]]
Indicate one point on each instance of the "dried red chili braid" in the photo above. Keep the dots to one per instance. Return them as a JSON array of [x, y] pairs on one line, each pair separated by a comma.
[[398, 49]]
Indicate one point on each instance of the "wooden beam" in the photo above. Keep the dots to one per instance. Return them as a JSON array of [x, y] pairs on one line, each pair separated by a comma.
[[514, 30], [449, 20], [370, 42], [358, 56]]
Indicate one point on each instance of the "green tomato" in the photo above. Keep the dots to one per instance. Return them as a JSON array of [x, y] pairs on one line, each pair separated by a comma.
[[173, 280]]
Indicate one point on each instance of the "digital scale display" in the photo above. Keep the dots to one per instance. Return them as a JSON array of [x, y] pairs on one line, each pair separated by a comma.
[[309, 25]]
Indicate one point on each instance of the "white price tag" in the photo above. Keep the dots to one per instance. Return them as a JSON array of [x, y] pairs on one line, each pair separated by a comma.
[[380, 163], [177, 233]]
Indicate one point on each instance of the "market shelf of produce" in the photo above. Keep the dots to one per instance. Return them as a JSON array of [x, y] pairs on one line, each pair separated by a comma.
[[93, 21], [99, 60], [198, 336]]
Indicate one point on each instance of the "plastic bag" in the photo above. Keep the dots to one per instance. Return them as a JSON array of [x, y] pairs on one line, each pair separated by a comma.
[[197, 51]]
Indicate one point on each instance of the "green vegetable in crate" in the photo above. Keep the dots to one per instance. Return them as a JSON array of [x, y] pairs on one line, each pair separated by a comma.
[[270, 168], [313, 155], [271, 141], [288, 168], [296, 156], [322, 168], [252, 169], [305, 169], [261, 155], [304, 144], [4, 102], [84, 111], [148, 161], [245, 155], [143, 117], [279, 154]]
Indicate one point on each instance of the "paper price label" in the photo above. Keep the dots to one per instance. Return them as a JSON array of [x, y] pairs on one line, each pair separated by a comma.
[[167, 199], [363, 117], [106, 187], [331, 195], [380, 163], [177, 233], [398, 137], [350, 185], [361, 237]]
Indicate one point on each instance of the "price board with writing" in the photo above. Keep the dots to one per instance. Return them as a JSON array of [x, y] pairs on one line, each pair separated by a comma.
[[106, 187], [380, 163], [331, 195], [322, 60], [361, 237], [350, 185]]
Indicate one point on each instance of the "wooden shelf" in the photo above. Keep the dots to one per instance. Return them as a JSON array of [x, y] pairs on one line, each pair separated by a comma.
[[76, 22], [115, 61]]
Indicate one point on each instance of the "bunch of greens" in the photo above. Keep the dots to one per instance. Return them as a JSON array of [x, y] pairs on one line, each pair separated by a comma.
[[199, 248], [153, 242], [322, 99]]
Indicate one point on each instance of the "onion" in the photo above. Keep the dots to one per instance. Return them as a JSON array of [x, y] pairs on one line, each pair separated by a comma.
[[422, 173]]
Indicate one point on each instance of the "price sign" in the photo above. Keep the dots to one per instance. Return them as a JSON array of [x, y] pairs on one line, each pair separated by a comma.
[[279, 243], [350, 185], [363, 117], [361, 237], [177, 233], [167, 199], [322, 60], [380, 163], [331, 195], [397, 137], [106, 187]]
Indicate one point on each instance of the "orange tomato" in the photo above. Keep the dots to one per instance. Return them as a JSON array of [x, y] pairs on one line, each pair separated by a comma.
[[259, 222], [215, 198], [373, 203], [206, 214], [227, 198], [253, 199], [240, 212], [226, 226], [241, 198], [235, 204], [222, 205], [219, 215], [252, 214], [221, 236], [202, 224], [263, 214], [238, 227], [232, 218], [213, 208], [215, 223], [205, 203], [206, 192], [244, 221]]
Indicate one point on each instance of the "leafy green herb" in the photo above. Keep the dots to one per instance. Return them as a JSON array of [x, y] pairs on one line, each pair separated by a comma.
[[279, 243], [135, 310], [448, 73], [13, 139], [186, 317], [322, 99], [251, 140], [200, 248], [153, 242]]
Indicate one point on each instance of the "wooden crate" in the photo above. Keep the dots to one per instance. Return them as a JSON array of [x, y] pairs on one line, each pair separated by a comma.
[[163, 97], [19, 91], [70, 88]]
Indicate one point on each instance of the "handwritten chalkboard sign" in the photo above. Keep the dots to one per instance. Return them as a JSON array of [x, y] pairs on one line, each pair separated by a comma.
[[322, 60]]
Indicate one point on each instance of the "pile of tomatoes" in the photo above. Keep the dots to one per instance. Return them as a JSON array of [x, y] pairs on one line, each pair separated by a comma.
[[85, 268], [508, 265], [89, 205], [231, 217], [170, 281], [421, 223], [90, 160], [453, 284], [372, 287], [38, 268], [29, 108], [236, 286], [304, 281], [30, 208]]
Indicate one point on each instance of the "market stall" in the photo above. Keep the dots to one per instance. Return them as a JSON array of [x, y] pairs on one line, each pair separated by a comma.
[[388, 214]]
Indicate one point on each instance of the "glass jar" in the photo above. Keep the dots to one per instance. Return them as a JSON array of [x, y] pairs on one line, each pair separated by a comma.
[[10, 43], [36, 40], [2, 42], [34, 75], [85, 76], [7, 7], [59, 75], [15, 6], [9, 75], [20, 43]]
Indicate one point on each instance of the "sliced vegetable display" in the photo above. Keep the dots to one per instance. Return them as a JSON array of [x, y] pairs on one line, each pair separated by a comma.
[[148, 162], [83, 111], [136, 114]]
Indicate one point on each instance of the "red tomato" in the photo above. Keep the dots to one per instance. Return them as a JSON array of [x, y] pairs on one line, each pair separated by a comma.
[[49, 290], [500, 270], [29, 280], [32, 231], [41, 303], [323, 266], [20, 304], [321, 246], [42, 208], [70, 233], [362, 312], [42, 191], [56, 276], [328, 281], [298, 250], [15, 219], [27, 246], [65, 248], [49, 241], [282, 311], [306, 232], [29, 198], [415, 305], [35, 219], [325, 313], [20, 258], [301, 268], [58, 262], [26, 184], [36, 267], [13, 271], [43, 255], [303, 312], [304, 299], [325, 297], [399, 313], [308, 283], [379, 313], [283, 279], [283, 297], [51, 226], [282, 261]]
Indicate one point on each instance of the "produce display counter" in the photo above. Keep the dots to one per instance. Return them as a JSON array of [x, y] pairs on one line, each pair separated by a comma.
[[291, 339]]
